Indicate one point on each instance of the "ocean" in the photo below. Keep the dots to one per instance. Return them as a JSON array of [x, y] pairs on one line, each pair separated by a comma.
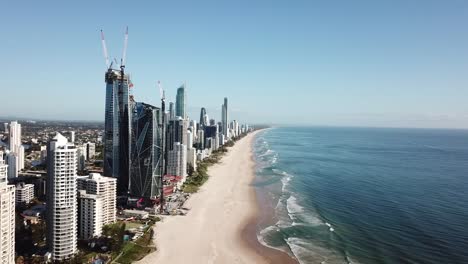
[[364, 195]]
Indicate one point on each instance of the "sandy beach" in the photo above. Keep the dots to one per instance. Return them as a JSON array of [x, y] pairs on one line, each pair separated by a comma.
[[221, 224]]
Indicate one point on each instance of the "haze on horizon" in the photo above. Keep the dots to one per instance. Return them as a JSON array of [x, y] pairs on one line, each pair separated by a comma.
[[340, 63]]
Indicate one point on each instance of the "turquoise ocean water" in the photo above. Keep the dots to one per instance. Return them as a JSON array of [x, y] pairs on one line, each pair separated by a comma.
[[365, 195]]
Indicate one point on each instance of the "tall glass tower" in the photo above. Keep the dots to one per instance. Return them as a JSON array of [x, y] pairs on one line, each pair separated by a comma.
[[117, 129], [146, 160], [181, 102], [202, 118], [224, 118]]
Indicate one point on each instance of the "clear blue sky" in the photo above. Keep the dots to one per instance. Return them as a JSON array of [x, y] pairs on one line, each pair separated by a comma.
[[361, 63]]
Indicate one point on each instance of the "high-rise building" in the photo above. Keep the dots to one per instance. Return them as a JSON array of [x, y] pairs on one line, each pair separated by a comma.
[[72, 136], [24, 193], [117, 129], [177, 160], [15, 145], [96, 204], [211, 137], [181, 101], [7, 216], [61, 198], [176, 132], [146, 160], [12, 161], [189, 139], [224, 118], [6, 127], [171, 111], [90, 150], [201, 139], [81, 157], [203, 122]]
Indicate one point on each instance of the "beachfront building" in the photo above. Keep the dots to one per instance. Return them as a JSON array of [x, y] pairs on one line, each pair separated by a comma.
[[7, 216], [61, 198], [176, 132], [90, 215], [117, 129], [177, 160], [97, 204], [24, 193], [146, 160]]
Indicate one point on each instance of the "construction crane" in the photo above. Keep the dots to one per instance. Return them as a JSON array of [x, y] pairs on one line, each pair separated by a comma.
[[106, 54], [124, 53], [104, 50]]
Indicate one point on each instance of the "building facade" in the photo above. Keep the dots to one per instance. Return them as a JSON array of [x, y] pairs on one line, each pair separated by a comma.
[[117, 129], [177, 160], [202, 118], [176, 132], [96, 203], [146, 160], [181, 102], [15, 144], [90, 150], [7, 217], [24, 193], [224, 118], [12, 161], [61, 198]]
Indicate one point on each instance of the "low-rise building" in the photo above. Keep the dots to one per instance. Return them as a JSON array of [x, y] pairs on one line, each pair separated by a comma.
[[24, 193]]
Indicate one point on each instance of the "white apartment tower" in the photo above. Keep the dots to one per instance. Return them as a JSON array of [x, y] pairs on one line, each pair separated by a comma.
[[15, 143], [7, 216], [97, 204], [61, 198], [177, 160]]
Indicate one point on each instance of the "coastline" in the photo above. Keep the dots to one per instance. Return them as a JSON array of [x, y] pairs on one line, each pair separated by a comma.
[[221, 226]]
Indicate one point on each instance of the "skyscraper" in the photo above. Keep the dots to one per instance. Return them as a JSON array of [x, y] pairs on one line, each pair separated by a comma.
[[225, 118], [117, 129], [202, 118], [7, 216], [177, 160], [176, 132], [61, 198], [12, 161], [15, 145], [146, 164], [181, 102], [171, 111]]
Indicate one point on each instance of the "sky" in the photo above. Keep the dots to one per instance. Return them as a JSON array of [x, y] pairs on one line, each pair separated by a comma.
[[373, 63]]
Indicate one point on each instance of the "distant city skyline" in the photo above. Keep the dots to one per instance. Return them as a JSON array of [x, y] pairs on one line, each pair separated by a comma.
[[340, 63]]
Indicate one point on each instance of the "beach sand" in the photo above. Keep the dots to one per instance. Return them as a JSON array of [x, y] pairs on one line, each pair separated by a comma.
[[221, 224]]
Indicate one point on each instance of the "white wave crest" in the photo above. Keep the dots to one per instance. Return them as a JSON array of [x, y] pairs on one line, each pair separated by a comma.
[[296, 211], [306, 252]]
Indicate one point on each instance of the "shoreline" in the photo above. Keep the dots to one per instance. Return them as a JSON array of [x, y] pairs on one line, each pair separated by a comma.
[[251, 228], [221, 225]]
